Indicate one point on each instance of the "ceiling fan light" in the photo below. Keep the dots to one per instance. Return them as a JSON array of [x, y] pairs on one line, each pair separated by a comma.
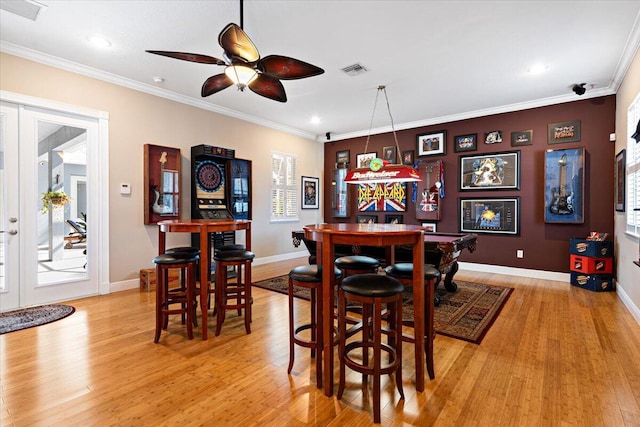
[[240, 75]]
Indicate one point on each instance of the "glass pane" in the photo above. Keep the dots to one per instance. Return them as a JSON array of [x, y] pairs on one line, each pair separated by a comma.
[[62, 203]]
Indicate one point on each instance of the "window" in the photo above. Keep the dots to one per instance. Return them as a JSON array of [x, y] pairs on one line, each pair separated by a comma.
[[284, 187], [633, 169]]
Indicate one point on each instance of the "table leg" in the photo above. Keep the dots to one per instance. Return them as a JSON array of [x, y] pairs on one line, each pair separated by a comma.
[[205, 272], [420, 314], [325, 253]]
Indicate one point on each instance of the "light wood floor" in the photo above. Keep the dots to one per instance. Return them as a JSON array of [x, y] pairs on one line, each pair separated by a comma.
[[556, 355]]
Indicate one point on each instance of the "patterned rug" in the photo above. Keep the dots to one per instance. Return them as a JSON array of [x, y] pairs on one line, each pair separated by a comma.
[[24, 318], [466, 314]]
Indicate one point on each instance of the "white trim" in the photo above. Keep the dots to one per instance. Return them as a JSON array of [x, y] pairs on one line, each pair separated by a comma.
[[628, 302], [31, 101], [513, 271]]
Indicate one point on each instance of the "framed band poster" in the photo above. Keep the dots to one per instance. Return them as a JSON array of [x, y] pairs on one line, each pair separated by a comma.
[[564, 186], [495, 215], [161, 183]]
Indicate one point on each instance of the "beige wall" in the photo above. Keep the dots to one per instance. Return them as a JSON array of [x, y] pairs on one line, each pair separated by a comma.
[[136, 118], [626, 246]]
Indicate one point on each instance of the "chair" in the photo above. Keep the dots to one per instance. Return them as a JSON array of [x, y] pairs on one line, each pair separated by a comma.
[[309, 277], [238, 291], [78, 235], [381, 297], [357, 264]]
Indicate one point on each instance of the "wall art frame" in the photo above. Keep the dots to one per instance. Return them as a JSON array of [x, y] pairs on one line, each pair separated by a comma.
[[364, 159], [393, 219], [429, 227], [491, 171], [559, 133], [620, 171], [390, 154], [310, 192], [342, 157], [522, 138], [432, 143], [463, 143], [490, 215], [564, 186], [493, 137], [367, 219], [408, 157], [161, 183]]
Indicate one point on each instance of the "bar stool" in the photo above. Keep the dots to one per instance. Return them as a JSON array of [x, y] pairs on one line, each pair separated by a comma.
[[184, 296], [225, 291], [403, 271], [375, 292], [357, 264], [308, 277]]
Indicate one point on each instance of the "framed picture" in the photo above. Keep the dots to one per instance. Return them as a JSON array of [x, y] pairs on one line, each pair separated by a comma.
[[407, 157], [497, 215], [342, 157], [389, 154], [393, 219], [522, 137], [620, 180], [366, 219], [363, 160], [493, 137], [564, 186], [465, 142], [310, 191], [564, 132], [493, 171], [429, 227], [161, 183], [382, 197], [429, 144]]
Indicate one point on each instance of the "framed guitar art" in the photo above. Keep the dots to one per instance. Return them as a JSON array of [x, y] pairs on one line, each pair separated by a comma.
[[564, 186], [161, 183]]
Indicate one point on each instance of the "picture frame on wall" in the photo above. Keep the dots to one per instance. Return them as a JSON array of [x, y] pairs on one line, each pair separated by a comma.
[[408, 157], [495, 215], [366, 219], [620, 180], [492, 171], [162, 183], [493, 137], [310, 192], [564, 186], [465, 143], [522, 138], [342, 157], [393, 219], [363, 160], [432, 143], [389, 154], [562, 132], [429, 227]]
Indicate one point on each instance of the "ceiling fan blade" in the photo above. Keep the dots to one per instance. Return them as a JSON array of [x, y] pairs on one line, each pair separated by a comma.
[[237, 44], [285, 68], [193, 57], [269, 87], [215, 84]]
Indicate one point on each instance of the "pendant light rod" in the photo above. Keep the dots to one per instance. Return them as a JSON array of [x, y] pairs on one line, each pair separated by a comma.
[[382, 88], [242, 14]]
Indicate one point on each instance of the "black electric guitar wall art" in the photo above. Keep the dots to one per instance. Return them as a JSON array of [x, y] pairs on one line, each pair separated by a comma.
[[562, 196], [159, 206]]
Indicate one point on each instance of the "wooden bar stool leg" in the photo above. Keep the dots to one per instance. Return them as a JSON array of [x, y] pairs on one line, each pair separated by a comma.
[[247, 296], [159, 303]]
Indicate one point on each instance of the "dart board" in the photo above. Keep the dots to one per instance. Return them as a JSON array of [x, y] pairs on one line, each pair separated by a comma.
[[209, 176]]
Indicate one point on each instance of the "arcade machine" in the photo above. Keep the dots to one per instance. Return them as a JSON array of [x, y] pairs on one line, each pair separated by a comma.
[[220, 189]]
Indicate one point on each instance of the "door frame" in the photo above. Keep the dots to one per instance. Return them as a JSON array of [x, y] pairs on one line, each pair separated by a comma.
[[101, 164]]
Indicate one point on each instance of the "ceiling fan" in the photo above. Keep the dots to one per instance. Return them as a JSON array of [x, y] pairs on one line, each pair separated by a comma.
[[244, 66]]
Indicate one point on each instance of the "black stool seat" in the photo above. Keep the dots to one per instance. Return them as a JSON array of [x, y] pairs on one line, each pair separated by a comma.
[[183, 250], [233, 256], [404, 270], [310, 273], [357, 262], [169, 259], [232, 247], [372, 285]]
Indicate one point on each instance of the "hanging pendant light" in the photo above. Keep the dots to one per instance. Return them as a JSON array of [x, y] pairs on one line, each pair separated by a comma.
[[380, 170]]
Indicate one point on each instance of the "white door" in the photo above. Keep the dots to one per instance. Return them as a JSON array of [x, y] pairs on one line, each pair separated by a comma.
[[55, 261]]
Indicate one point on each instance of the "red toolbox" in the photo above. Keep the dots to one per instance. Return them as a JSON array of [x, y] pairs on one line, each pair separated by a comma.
[[591, 265]]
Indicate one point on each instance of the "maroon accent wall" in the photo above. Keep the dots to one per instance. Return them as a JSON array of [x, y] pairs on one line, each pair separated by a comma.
[[545, 246]]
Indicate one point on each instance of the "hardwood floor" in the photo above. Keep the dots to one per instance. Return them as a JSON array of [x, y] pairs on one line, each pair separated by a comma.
[[556, 355]]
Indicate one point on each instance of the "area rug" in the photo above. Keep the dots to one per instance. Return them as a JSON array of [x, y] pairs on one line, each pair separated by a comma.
[[466, 314], [24, 318]]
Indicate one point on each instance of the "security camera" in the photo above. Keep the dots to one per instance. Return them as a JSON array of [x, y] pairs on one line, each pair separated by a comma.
[[579, 89], [328, 135]]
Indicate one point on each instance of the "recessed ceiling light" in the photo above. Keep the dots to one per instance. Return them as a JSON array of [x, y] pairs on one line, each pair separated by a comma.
[[315, 120], [99, 41], [538, 69]]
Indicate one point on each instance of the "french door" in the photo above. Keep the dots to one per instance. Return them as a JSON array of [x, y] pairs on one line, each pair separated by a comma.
[[43, 258]]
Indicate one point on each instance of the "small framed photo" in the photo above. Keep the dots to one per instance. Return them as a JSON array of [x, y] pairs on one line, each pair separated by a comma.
[[393, 219], [342, 157], [493, 137], [310, 191], [429, 227], [366, 219], [520, 138], [429, 144], [620, 178], [407, 157], [564, 132], [389, 154], [465, 143], [363, 160]]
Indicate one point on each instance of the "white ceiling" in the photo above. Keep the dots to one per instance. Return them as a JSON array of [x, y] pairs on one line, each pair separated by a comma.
[[440, 60]]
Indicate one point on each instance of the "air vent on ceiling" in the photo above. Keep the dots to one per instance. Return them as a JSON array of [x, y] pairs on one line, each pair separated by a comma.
[[354, 70], [26, 8]]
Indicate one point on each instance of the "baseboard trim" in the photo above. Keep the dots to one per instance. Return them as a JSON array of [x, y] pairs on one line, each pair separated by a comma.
[[624, 297], [513, 271]]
